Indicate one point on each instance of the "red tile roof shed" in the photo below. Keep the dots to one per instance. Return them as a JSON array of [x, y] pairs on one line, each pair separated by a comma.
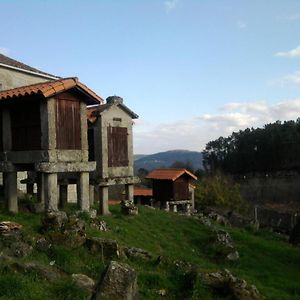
[[140, 191], [169, 174]]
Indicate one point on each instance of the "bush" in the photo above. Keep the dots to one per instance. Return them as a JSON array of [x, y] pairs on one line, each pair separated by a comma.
[[218, 190]]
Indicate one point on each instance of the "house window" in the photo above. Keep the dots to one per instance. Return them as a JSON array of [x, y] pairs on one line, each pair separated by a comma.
[[117, 146]]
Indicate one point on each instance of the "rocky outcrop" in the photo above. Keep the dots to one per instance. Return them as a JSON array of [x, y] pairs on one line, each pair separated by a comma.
[[15, 244], [107, 248], [118, 282], [53, 220], [225, 248], [128, 208], [8, 228], [42, 271], [137, 253], [84, 281], [226, 284]]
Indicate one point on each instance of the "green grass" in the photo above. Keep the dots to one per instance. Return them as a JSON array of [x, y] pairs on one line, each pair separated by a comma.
[[266, 259]]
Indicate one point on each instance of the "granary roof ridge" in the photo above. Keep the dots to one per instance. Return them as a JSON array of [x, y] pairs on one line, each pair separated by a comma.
[[169, 174], [50, 88], [12, 63], [95, 111]]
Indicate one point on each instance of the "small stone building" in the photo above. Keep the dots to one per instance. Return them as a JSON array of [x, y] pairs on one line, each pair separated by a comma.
[[110, 145], [43, 129], [172, 187]]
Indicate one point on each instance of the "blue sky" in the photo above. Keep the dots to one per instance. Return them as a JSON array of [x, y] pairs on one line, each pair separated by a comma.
[[191, 69]]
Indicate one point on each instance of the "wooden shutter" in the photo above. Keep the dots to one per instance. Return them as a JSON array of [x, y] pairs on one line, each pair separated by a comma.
[[68, 127], [117, 146]]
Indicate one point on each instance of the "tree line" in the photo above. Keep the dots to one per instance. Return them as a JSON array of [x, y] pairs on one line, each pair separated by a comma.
[[274, 147]]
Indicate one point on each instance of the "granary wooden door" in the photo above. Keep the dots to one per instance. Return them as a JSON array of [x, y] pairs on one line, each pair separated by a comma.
[[68, 127], [117, 146]]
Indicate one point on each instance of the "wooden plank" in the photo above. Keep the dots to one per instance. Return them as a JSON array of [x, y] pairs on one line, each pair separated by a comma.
[[68, 127], [117, 146]]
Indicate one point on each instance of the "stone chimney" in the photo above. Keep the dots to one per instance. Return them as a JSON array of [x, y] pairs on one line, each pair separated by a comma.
[[114, 100]]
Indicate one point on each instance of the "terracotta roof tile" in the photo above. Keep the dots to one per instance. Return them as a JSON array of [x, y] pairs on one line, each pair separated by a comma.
[[140, 191], [5, 60], [169, 174], [51, 88]]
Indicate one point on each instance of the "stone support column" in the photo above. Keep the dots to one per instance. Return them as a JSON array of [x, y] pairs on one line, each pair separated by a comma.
[[92, 194], [167, 206], [41, 188], [63, 195], [188, 208], [175, 208], [103, 195], [129, 192], [51, 195], [10, 191], [83, 192]]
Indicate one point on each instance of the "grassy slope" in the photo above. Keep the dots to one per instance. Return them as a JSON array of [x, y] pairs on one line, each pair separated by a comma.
[[266, 259]]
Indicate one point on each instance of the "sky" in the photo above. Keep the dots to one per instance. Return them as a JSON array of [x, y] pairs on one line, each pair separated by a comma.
[[193, 70]]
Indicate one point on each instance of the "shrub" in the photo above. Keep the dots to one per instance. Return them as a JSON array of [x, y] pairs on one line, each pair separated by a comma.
[[218, 190]]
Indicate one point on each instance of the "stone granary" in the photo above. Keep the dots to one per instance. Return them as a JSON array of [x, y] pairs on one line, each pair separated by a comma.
[[110, 145], [172, 187], [43, 129]]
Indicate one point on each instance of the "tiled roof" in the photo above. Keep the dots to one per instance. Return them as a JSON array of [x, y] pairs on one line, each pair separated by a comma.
[[95, 111], [169, 174], [5, 60], [140, 191], [51, 88]]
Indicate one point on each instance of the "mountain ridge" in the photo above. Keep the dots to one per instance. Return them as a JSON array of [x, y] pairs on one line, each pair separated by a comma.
[[167, 158]]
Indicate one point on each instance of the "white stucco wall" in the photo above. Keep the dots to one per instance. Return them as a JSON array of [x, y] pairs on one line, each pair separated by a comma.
[[10, 79]]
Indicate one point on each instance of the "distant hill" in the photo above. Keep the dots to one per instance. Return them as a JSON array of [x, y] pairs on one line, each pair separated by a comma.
[[138, 156], [166, 159]]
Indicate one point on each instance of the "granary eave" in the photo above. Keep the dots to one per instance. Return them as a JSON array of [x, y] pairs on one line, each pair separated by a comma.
[[51, 88]]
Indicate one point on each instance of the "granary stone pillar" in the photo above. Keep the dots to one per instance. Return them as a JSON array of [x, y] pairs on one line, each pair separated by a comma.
[[83, 192], [51, 191], [103, 197], [129, 192], [41, 188], [63, 195], [92, 194], [10, 191]]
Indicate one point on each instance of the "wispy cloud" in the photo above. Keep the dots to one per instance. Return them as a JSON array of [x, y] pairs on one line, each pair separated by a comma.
[[170, 5], [241, 25], [4, 50], [195, 133], [291, 53], [293, 17], [290, 79]]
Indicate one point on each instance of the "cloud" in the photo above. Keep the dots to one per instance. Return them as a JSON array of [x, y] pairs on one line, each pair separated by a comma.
[[196, 132], [170, 5], [292, 53], [241, 24], [293, 17], [293, 78], [4, 50]]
